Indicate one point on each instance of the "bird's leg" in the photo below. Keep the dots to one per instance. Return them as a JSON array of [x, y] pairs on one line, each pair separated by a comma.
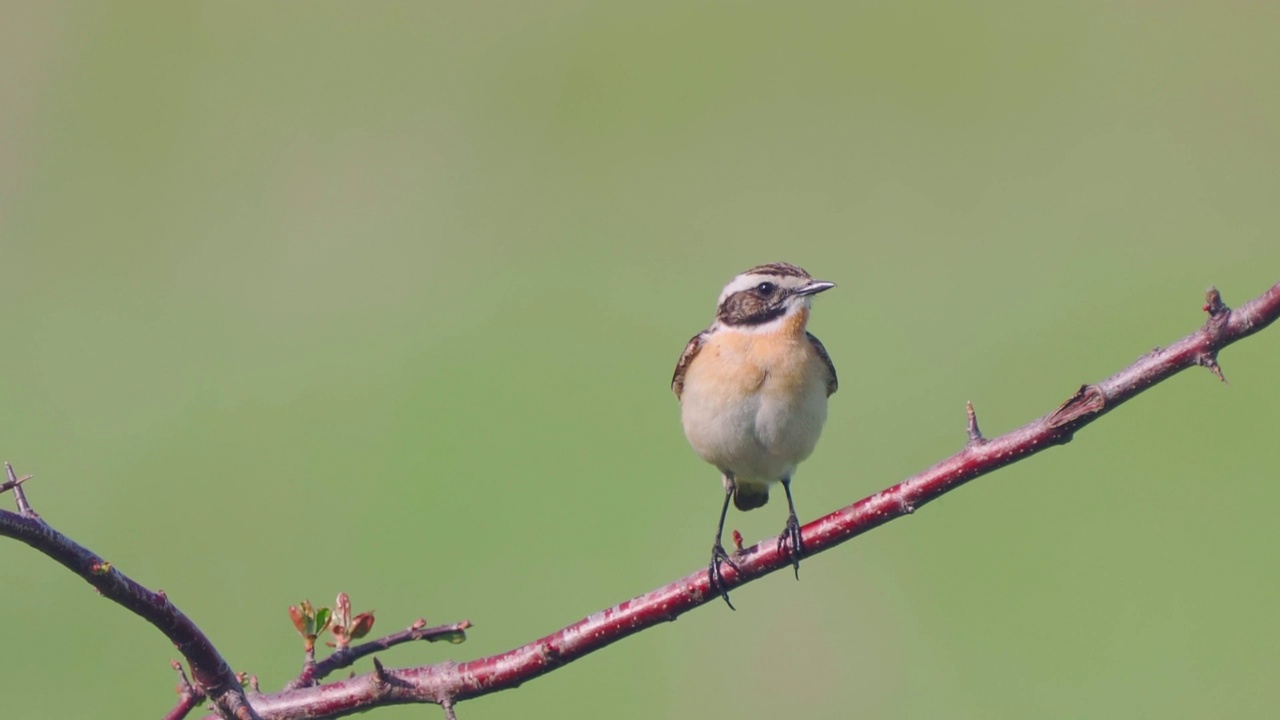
[[718, 555], [789, 541]]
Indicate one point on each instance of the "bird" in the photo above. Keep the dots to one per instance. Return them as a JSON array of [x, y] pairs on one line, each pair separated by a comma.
[[753, 390]]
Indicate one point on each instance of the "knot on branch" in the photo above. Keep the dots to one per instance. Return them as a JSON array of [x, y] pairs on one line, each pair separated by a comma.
[[550, 654], [1088, 401], [1218, 310], [1216, 327]]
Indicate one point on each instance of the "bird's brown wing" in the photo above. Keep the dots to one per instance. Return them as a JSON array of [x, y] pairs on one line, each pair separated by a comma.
[[690, 352], [833, 384]]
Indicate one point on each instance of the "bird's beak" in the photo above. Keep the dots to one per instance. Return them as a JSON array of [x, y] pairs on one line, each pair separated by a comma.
[[814, 287]]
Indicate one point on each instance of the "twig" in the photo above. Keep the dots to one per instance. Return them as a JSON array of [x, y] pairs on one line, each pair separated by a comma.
[[189, 695], [346, 657], [448, 682]]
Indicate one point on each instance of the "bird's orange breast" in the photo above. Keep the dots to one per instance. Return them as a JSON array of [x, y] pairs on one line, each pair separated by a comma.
[[737, 363]]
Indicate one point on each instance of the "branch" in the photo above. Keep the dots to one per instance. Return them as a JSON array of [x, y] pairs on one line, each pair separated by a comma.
[[213, 677], [447, 683]]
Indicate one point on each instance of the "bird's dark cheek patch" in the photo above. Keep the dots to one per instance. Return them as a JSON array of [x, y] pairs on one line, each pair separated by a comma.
[[748, 308]]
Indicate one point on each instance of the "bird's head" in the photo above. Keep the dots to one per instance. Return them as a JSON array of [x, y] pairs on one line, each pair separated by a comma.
[[765, 294]]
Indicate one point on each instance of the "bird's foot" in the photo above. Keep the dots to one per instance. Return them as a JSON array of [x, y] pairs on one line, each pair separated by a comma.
[[718, 555], [791, 544]]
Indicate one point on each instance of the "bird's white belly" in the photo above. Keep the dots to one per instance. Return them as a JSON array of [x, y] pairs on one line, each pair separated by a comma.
[[759, 434]]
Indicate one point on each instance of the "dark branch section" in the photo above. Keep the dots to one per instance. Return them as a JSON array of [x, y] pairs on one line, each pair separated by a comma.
[[447, 683], [212, 675]]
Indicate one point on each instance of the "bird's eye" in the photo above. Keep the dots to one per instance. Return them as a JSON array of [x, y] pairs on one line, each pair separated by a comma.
[[766, 288]]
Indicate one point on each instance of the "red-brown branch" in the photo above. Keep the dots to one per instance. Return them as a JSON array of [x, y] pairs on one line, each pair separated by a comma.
[[447, 683]]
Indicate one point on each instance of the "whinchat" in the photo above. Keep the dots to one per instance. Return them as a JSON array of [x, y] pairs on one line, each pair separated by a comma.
[[753, 392]]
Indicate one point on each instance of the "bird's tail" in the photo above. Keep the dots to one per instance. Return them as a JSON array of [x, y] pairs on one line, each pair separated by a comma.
[[750, 497]]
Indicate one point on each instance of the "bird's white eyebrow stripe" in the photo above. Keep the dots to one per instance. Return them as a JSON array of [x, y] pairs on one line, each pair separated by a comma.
[[746, 281]]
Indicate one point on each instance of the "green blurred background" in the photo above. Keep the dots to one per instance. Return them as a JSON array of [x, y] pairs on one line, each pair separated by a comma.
[[304, 298]]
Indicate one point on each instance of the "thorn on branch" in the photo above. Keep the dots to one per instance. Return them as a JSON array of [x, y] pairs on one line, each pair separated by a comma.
[[975, 435], [379, 672], [14, 483], [1210, 361]]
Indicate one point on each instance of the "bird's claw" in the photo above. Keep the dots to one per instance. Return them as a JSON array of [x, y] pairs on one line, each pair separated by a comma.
[[791, 544], [718, 555]]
